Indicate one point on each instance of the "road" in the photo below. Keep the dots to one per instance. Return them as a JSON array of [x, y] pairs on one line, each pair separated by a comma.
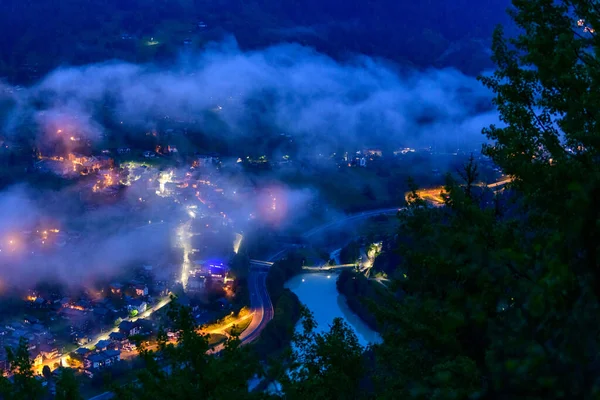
[[222, 330], [261, 306], [261, 309], [434, 196]]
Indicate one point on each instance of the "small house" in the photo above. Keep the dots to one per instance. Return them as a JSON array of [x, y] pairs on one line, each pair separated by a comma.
[[141, 290], [118, 338], [102, 359], [137, 305], [48, 352], [129, 328], [115, 288], [36, 358], [102, 345], [83, 352]]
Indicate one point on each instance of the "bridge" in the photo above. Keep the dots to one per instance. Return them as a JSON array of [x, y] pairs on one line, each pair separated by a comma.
[[265, 265], [329, 267]]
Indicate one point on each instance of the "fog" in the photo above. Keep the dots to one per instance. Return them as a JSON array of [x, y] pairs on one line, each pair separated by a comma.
[[319, 102], [288, 88], [96, 243]]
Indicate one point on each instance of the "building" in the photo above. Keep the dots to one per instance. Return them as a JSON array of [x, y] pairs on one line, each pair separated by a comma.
[[36, 358], [137, 305], [83, 352], [101, 313], [103, 345], [115, 288], [80, 338], [118, 338], [145, 326], [102, 359], [141, 290], [48, 352], [128, 328]]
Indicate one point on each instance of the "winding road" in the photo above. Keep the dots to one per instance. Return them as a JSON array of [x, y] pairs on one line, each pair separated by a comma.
[[261, 305]]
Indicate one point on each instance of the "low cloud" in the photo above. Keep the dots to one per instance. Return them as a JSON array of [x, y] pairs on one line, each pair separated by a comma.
[[46, 236], [231, 94], [287, 88]]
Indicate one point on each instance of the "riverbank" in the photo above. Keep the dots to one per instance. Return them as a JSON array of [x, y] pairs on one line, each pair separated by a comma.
[[318, 292], [361, 293], [277, 335]]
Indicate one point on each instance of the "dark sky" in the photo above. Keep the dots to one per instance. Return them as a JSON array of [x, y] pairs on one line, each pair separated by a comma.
[[39, 35]]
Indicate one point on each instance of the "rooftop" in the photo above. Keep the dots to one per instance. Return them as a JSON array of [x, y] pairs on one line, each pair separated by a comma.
[[102, 344]]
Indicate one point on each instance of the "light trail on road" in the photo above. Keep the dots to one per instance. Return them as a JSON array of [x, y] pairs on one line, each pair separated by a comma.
[[237, 242], [435, 195], [184, 239]]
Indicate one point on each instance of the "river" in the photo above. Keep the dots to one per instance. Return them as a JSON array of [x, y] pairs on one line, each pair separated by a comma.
[[318, 292]]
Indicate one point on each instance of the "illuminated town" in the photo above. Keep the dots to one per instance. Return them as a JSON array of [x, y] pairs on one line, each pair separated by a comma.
[[89, 330], [132, 228], [284, 200]]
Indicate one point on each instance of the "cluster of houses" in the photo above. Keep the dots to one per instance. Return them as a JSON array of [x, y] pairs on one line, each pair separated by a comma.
[[75, 321], [108, 352], [42, 344]]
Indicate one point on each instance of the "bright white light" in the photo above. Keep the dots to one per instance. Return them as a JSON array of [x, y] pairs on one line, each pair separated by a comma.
[[184, 239], [237, 242], [164, 178]]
